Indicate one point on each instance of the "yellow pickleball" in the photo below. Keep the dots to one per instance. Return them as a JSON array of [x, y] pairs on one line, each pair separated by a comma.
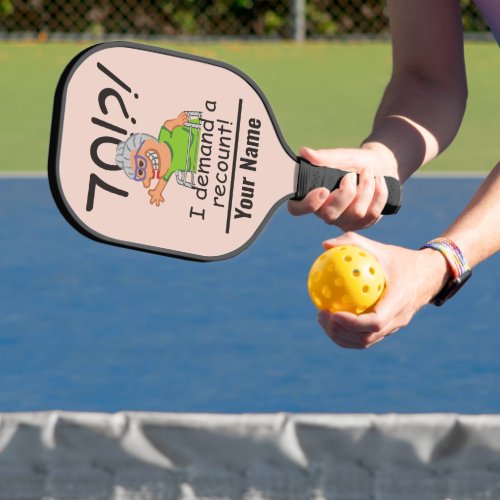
[[346, 278]]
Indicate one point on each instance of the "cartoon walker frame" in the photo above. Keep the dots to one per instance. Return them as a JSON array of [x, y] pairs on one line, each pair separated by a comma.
[[194, 126]]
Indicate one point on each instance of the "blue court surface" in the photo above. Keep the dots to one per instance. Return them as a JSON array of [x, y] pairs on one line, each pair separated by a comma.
[[90, 327]]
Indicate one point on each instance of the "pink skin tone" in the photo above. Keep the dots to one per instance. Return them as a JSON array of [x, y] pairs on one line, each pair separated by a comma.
[[164, 161], [418, 117], [350, 206], [409, 286], [414, 277]]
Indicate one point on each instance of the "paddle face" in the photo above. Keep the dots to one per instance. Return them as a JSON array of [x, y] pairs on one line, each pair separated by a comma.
[[165, 152]]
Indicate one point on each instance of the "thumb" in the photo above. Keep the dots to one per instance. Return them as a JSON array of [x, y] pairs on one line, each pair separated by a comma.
[[377, 250], [312, 155], [351, 238], [339, 157]]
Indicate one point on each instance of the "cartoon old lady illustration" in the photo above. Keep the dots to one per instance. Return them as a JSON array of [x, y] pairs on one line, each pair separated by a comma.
[[144, 158]]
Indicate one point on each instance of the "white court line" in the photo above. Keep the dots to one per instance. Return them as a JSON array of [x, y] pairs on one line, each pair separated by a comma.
[[23, 175], [454, 174]]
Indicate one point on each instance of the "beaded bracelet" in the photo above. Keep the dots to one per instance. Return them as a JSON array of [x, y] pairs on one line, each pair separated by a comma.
[[459, 267]]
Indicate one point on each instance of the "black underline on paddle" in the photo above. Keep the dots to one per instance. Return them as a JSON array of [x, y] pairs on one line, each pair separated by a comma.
[[233, 172]]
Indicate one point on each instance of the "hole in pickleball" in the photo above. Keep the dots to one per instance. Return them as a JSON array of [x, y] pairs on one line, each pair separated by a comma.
[[317, 276], [317, 300], [348, 258], [360, 309], [366, 289], [339, 281], [379, 287], [327, 293], [372, 270], [346, 299], [356, 273], [362, 254]]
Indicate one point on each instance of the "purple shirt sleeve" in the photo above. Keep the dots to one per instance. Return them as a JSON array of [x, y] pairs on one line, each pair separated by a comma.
[[490, 9]]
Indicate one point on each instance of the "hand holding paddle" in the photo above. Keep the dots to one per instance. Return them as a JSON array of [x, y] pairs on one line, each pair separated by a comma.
[[360, 199]]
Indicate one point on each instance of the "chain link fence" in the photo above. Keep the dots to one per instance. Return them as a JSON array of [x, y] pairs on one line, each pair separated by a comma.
[[283, 19]]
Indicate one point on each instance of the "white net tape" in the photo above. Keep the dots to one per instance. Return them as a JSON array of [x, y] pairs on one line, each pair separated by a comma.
[[160, 456]]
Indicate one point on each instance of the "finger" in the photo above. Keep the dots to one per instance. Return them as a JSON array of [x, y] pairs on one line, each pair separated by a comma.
[[362, 324], [343, 343], [337, 334], [355, 215], [374, 342], [365, 191], [351, 238], [347, 334], [380, 195], [348, 238], [338, 201], [353, 340], [350, 340], [392, 332], [394, 311], [311, 203], [382, 320], [362, 340], [324, 319]]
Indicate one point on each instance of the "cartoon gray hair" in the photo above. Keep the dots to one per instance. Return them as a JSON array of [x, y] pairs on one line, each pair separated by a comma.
[[123, 150]]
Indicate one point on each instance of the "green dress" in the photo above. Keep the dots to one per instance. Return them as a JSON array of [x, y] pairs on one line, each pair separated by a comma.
[[181, 148]]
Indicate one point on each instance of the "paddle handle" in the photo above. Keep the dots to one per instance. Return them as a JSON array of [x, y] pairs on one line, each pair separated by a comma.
[[311, 177]]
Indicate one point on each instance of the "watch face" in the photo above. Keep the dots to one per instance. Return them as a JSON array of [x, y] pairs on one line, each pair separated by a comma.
[[451, 288]]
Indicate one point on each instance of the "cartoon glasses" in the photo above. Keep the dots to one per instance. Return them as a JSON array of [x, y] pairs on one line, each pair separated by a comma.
[[140, 163]]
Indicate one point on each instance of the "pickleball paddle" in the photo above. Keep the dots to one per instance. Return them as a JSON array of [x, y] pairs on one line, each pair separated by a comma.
[[172, 153]]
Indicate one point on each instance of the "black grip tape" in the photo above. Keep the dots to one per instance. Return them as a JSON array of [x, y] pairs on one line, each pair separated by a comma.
[[311, 177]]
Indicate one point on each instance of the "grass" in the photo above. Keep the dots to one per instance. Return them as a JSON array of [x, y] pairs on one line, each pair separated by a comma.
[[323, 94]]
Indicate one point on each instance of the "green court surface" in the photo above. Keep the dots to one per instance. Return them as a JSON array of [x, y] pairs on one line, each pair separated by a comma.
[[323, 94]]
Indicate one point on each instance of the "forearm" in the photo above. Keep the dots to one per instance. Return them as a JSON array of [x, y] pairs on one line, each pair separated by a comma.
[[477, 230], [424, 103], [160, 186], [170, 124], [416, 120]]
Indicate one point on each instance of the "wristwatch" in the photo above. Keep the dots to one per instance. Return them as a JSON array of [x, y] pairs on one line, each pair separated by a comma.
[[460, 270]]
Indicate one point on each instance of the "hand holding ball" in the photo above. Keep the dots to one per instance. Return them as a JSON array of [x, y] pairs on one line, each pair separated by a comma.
[[346, 278]]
